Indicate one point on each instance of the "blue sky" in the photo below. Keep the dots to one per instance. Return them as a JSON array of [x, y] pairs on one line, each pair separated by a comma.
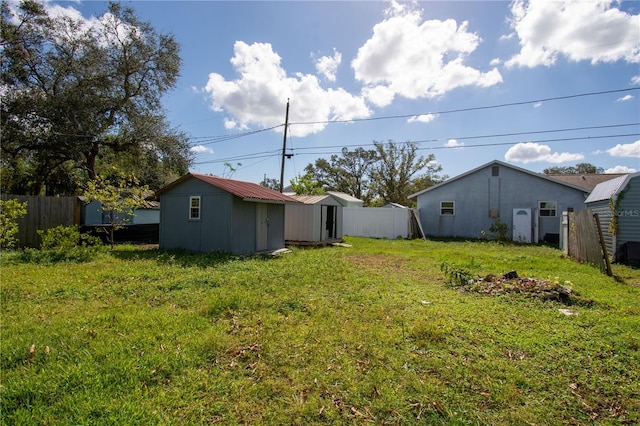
[[560, 78]]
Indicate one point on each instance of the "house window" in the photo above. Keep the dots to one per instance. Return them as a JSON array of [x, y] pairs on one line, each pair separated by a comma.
[[447, 208], [194, 208], [547, 208], [495, 171]]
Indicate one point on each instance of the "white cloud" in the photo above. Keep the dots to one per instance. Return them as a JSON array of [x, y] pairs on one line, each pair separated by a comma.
[[200, 149], [495, 62], [579, 30], [624, 98], [230, 124], [620, 169], [530, 152], [380, 96], [635, 79], [328, 65], [452, 143], [626, 150], [424, 118], [537, 105], [414, 58], [260, 93]]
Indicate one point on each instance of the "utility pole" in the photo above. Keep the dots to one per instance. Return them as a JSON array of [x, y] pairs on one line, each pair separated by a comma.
[[284, 145]]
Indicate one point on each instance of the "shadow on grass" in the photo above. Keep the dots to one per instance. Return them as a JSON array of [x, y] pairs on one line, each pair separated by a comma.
[[181, 257]]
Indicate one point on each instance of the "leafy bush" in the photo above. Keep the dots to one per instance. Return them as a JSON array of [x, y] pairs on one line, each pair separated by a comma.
[[10, 212], [66, 238], [499, 230], [64, 243]]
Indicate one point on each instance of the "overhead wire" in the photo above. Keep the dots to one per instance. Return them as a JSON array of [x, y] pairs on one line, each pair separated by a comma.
[[208, 140]]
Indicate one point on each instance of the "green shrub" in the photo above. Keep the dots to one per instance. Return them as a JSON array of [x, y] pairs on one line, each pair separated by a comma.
[[66, 238], [10, 212], [64, 243], [499, 230]]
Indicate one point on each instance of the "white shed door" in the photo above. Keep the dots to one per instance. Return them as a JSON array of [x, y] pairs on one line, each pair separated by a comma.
[[522, 225]]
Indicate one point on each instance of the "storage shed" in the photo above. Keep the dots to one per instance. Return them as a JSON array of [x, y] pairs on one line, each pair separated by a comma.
[[345, 199], [617, 202], [317, 219], [211, 214]]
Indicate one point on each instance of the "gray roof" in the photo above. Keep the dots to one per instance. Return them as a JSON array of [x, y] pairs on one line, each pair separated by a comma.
[[606, 190], [587, 181], [503, 164], [345, 198], [310, 199]]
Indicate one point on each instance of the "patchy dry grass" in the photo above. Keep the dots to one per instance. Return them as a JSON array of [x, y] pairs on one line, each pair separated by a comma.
[[368, 334]]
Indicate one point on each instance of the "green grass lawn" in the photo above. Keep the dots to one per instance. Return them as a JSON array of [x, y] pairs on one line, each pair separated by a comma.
[[368, 334]]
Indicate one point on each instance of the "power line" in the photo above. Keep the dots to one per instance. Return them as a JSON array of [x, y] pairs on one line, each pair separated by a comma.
[[478, 108], [209, 140], [496, 135], [277, 152]]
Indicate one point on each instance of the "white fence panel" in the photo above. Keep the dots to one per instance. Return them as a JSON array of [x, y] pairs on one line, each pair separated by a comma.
[[376, 222]]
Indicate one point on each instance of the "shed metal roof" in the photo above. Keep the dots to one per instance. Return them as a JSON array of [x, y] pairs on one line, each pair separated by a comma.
[[246, 190], [310, 199], [606, 190]]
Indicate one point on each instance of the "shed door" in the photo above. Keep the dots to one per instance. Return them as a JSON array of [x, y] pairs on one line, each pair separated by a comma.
[[328, 222], [522, 225], [262, 224]]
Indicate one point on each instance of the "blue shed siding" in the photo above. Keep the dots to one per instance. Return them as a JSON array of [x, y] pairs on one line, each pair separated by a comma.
[[477, 193], [227, 223]]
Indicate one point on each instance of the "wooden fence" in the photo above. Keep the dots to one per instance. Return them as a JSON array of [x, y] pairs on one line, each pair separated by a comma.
[[585, 242], [44, 213]]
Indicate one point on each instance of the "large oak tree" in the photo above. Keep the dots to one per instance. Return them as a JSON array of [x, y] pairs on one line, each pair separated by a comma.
[[83, 95]]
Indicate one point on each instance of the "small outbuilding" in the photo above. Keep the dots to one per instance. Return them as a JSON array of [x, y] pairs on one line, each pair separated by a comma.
[[345, 199], [317, 219], [204, 213], [617, 203]]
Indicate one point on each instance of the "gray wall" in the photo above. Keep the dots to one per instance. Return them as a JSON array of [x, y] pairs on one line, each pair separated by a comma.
[[479, 192], [629, 213], [227, 224], [306, 222]]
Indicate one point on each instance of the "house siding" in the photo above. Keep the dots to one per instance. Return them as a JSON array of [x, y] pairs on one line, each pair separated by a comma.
[[629, 213], [477, 193]]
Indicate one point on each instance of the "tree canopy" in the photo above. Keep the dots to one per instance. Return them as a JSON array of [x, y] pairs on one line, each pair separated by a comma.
[[578, 169], [80, 97], [387, 174]]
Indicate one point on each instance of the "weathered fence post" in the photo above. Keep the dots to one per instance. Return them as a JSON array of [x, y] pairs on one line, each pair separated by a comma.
[[603, 245]]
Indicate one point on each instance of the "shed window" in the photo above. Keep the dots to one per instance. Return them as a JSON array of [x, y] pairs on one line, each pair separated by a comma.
[[447, 208], [194, 208], [547, 208], [495, 171]]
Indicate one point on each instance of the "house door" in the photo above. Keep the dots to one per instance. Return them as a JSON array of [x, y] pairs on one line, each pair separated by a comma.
[[262, 225], [522, 225]]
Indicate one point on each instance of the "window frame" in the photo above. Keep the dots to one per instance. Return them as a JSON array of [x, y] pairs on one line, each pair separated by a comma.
[[193, 209], [551, 211], [443, 208]]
